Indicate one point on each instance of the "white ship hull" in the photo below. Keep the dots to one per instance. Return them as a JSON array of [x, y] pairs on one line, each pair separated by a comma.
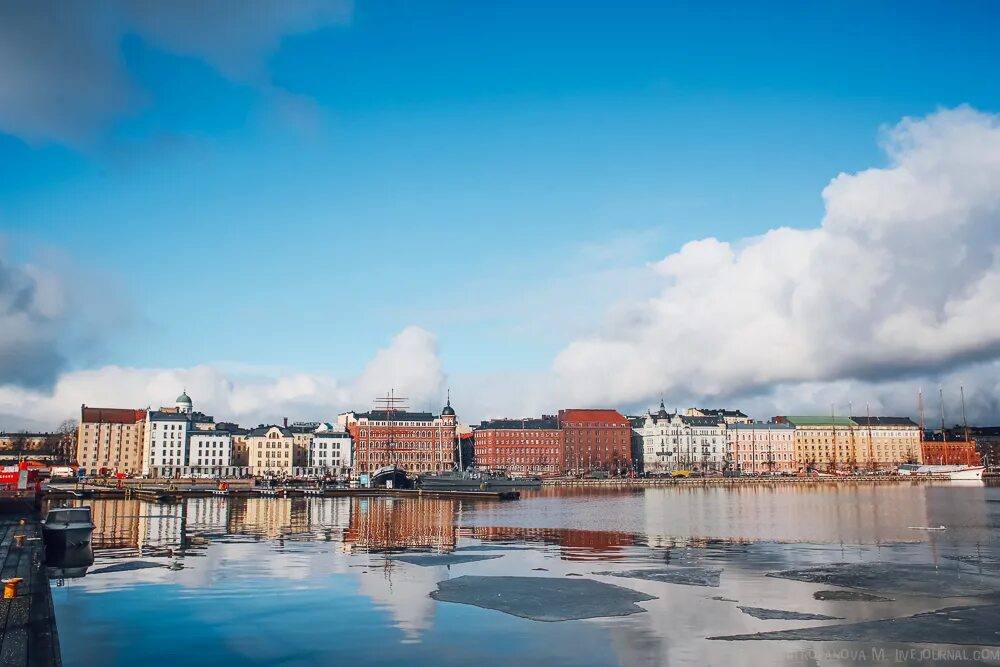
[[954, 472]]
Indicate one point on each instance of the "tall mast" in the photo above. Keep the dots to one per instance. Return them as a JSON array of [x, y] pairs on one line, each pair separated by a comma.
[[965, 422], [868, 417], [944, 434]]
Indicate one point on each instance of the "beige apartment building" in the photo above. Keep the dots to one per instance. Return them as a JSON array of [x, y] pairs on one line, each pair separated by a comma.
[[110, 439], [271, 450], [853, 443]]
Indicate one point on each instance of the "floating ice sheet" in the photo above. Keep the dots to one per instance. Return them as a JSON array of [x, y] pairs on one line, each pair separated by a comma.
[[127, 567], [975, 626], [686, 576], [779, 614], [916, 579], [542, 598], [849, 596], [433, 560]]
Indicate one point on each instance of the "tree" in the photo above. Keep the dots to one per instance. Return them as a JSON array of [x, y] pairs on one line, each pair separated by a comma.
[[66, 431]]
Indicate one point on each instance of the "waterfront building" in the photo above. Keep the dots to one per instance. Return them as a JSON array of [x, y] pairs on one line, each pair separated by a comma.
[[271, 450], [671, 441], [330, 451], [949, 452], [824, 442], [110, 439], [728, 416], [761, 447], [415, 441], [885, 442], [528, 446], [168, 449], [596, 440], [240, 456]]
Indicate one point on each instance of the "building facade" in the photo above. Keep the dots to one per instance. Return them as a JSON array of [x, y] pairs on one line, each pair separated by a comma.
[[110, 440], [672, 441], [761, 448], [180, 442], [728, 416], [885, 442], [950, 452], [271, 450], [596, 440], [330, 451], [415, 441], [525, 446]]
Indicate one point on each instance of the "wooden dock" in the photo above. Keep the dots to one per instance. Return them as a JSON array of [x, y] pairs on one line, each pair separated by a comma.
[[29, 636]]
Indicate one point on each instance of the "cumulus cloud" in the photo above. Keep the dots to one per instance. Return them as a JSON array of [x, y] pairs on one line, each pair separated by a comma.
[[32, 314], [409, 363], [900, 279], [62, 74]]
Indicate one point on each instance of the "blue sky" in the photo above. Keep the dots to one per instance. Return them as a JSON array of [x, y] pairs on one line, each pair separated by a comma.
[[499, 174]]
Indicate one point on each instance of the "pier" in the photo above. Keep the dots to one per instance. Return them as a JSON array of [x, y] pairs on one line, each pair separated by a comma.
[[29, 637], [166, 493]]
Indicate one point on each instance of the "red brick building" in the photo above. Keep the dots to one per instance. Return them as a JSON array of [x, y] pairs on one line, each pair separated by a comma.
[[595, 440], [416, 441], [529, 446], [950, 452]]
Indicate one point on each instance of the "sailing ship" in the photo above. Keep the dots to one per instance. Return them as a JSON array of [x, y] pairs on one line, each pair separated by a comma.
[[474, 480]]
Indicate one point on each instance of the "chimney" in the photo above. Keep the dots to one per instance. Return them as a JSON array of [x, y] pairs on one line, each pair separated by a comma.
[[286, 422]]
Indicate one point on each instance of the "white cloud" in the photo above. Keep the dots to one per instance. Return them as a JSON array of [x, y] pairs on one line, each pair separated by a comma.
[[62, 75], [901, 278], [410, 364]]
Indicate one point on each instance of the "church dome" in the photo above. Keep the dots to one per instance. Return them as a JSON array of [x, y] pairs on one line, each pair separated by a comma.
[[447, 410], [184, 399]]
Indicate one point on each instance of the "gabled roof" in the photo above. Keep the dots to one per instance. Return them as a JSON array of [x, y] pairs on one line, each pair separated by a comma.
[[721, 412], [904, 422], [702, 421], [111, 416], [527, 424], [588, 416], [157, 416], [397, 416], [818, 420], [262, 430]]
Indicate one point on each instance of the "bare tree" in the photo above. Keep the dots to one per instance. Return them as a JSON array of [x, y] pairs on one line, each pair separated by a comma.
[[66, 431]]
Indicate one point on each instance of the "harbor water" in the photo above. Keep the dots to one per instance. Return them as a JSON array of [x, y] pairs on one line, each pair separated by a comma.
[[659, 576]]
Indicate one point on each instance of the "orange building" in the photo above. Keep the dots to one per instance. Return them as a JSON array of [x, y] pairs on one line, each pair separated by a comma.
[[595, 440], [415, 441], [110, 439], [532, 446], [949, 452]]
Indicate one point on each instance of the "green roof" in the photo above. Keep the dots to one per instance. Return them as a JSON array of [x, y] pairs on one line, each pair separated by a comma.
[[819, 420]]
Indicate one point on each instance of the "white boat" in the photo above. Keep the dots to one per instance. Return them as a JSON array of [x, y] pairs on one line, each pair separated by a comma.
[[956, 472], [68, 527]]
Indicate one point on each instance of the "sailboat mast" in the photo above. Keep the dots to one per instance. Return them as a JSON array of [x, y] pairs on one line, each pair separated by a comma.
[[965, 422], [944, 434]]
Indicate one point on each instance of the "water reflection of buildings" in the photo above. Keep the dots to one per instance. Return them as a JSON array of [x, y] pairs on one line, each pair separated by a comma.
[[383, 524], [573, 544]]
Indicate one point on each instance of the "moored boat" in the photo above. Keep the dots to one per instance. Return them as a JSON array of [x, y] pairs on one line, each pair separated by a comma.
[[956, 472], [68, 527], [474, 480]]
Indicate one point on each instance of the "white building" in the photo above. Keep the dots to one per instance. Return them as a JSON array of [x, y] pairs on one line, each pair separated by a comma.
[[182, 442], [672, 441], [330, 451]]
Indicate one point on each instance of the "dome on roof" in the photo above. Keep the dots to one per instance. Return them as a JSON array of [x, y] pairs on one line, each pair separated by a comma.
[[447, 410], [184, 399]]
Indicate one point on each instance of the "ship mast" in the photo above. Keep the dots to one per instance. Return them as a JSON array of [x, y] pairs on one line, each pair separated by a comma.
[[944, 434], [965, 422]]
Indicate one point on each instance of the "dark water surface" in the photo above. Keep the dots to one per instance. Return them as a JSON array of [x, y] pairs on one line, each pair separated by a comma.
[[649, 577]]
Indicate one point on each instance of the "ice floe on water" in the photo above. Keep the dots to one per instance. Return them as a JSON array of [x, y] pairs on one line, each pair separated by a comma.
[[542, 598], [779, 614], [685, 576], [910, 578], [431, 560]]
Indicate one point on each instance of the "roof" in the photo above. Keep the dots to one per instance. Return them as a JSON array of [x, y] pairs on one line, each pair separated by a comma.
[[761, 426], [214, 433], [157, 416], [721, 412], [262, 430], [818, 420], [332, 434], [576, 415], [396, 416], [701, 421], [904, 422], [527, 424], [111, 416]]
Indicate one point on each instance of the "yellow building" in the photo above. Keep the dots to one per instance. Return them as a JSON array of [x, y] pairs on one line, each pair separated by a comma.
[[887, 441], [854, 443], [271, 450]]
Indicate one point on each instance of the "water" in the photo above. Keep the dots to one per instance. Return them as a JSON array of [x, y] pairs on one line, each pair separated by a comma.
[[314, 581]]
